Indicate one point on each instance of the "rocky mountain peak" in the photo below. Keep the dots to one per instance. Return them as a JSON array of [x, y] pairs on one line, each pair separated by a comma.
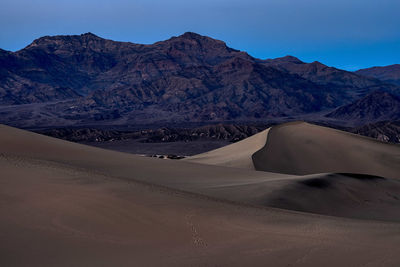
[[285, 59], [191, 40], [58, 41], [90, 35], [191, 35]]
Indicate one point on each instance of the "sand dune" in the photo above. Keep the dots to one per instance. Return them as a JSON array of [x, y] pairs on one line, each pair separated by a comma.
[[344, 195], [64, 204], [301, 148], [236, 155]]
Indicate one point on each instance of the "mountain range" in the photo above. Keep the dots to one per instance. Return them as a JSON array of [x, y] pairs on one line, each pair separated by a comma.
[[87, 80], [376, 106], [390, 74]]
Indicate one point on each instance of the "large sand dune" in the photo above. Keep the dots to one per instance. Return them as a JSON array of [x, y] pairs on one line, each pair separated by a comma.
[[64, 204], [302, 148]]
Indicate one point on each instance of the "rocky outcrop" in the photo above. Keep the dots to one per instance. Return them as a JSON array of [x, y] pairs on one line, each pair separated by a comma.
[[227, 132], [385, 131]]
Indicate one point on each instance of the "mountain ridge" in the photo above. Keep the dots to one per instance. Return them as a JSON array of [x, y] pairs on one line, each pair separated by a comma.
[[187, 78], [390, 73], [376, 106]]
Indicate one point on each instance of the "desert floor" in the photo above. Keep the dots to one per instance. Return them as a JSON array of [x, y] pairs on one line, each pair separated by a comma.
[[296, 195]]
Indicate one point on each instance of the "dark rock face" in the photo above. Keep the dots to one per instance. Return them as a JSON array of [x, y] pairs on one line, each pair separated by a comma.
[[383, 131], [390, 74], [228, 132], [85, 134], [339, 84], [84, 79], [386, 131], [377, 106], [56, 68]]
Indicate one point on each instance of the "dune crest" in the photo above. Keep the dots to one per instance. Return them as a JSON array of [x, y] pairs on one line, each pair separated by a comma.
[[238, 155], [301, 148]]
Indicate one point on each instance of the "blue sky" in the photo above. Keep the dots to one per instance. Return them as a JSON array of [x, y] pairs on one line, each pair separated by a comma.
[[348, 34]]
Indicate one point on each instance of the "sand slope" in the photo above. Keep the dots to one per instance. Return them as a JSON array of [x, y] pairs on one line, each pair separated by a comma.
[[302, 148], [344, 195], [236, 155], [64, 204]]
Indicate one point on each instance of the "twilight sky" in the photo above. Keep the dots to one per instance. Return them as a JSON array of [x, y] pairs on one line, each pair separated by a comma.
[[348, 34]]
